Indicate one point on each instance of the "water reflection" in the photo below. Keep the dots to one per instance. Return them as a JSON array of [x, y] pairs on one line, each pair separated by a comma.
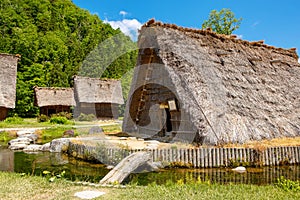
[[36, 163], [258, 176], [77, 170], [6, 160]]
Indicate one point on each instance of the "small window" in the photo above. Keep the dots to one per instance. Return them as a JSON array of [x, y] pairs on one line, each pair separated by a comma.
[[172, 105]]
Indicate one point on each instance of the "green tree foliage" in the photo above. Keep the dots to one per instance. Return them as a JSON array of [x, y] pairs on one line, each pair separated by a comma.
[[54, 37], [223, 22]]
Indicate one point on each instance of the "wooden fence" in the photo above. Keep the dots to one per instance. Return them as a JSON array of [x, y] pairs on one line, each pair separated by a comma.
[[203, 157]]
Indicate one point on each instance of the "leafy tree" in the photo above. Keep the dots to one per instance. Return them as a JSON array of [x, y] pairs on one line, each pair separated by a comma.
[[223, 22], [54, 37]]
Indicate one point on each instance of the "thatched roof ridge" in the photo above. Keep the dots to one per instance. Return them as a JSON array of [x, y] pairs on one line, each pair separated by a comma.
[[8, 75], [54, 96], [196, 32], [95, 90]]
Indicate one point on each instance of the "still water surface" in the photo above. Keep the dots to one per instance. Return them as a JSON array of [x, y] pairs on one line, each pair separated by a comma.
[[77, 170]]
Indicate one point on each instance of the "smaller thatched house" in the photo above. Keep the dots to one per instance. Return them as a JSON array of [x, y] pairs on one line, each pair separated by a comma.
[[99, 97], [54, 100], [8, 74]]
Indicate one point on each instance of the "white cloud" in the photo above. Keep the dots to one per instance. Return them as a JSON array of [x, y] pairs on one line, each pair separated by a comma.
[[127, 26], [123, 13], [255, 24], [239, 36]]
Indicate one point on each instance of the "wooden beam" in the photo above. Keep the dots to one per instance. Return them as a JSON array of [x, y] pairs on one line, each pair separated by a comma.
[[126, 167]]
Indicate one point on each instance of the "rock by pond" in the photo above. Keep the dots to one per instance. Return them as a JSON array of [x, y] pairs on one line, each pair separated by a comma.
[[32, 148], [239, 169], [59, 145], [45, 147], [95, 130], [25, 132], [25, 138], [68, 133], [18, 146]]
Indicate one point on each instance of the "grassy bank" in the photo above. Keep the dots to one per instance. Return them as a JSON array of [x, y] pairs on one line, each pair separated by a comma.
[[17, 187], [52, 129]]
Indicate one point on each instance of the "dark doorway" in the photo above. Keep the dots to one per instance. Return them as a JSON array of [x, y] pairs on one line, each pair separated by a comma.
[[168, 120]]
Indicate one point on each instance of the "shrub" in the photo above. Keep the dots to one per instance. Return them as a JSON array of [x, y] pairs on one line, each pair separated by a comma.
[[58, 120], [42, 118], [63, 114], [84, 117], [14, 120]]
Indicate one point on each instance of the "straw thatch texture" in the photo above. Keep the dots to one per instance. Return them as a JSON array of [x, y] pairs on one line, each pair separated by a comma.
[[98, 97], [50, 96], [8, 74], [93, 90], [227, 89]]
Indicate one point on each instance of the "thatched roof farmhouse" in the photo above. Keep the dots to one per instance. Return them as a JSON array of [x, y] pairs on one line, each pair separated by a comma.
[[8, 76], [98, 97], [52, 100], [196, 85]]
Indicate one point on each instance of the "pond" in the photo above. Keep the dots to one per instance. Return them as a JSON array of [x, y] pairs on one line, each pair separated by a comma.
[[77, 170]]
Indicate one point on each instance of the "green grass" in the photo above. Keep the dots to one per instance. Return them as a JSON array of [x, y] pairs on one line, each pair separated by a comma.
[[52, 131], [27, 122], [14, 186], [116, 128], [6, 136], [17, 122]]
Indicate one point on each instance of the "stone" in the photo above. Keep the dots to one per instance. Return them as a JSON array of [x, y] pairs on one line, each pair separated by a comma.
[[18, 146], [25, 132], [45, 147], [95, 130], [88, 194], [59, 145], [151, 146], [151, 142], [68, 133], [109, 167], [33, 137], [149, 167], [32, 148], [240, 169], [24, 140]]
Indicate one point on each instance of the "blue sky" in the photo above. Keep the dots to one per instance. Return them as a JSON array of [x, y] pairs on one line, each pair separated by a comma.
[[276, 22]]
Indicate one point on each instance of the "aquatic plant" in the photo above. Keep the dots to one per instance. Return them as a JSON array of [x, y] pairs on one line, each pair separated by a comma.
[[287, 184], [51, 176]]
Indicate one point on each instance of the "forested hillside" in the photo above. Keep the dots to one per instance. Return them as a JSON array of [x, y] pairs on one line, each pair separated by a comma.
[[54, 37]]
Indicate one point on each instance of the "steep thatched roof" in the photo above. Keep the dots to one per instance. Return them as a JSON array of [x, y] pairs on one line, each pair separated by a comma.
[[94, 90], [229, 89], [8, 75], [51, 96]]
